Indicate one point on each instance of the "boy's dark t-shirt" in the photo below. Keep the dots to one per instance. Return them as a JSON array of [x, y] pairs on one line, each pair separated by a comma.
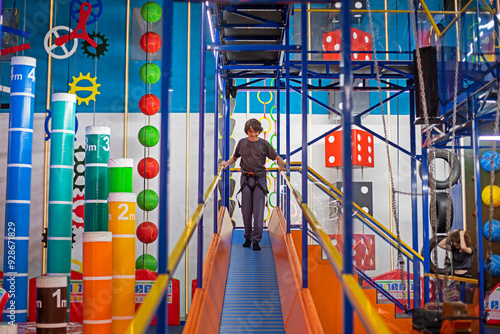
[[253, 155], [462, 260]]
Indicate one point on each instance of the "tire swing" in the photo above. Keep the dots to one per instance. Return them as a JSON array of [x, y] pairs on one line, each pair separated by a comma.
[[454, 174], [441, 209], [433, 266]]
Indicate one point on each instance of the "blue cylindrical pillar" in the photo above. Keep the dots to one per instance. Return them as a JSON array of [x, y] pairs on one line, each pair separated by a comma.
[[17, 204], [60, 228]]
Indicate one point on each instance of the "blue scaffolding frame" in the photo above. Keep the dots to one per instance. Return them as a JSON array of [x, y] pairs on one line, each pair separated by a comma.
[[286, 72]]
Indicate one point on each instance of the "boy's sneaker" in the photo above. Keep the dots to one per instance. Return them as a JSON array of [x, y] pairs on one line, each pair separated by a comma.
[[247, 243], [256, 246]]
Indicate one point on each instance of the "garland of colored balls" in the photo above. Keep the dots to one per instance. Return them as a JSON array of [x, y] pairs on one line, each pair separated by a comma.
[[149, 136]]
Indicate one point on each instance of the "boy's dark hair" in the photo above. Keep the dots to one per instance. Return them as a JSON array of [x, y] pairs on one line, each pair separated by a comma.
[[455, 237], [255, 124]]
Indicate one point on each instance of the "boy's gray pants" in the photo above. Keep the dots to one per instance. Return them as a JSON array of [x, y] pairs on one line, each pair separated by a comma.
[[252, 205]]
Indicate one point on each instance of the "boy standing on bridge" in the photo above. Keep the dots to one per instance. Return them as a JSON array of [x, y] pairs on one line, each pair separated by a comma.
[[253, 152]]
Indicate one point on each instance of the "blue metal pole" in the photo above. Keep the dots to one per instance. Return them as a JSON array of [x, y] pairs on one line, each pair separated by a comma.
[[216, 142], [425, 223], [18, 193], [168, 9], [278, 123], [347, 120], [414, 206], [201, 141], [287, 124], [226, 139], [303, 23], [479, 217]]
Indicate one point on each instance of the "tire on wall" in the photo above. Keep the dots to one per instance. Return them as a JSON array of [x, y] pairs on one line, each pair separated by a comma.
[[441, 208], [454, 173]]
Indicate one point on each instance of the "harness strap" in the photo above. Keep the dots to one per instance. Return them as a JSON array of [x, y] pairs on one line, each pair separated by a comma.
[[252, 188]]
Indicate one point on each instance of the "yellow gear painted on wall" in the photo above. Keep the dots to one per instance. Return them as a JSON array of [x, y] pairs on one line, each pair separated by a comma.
[[93, 88]]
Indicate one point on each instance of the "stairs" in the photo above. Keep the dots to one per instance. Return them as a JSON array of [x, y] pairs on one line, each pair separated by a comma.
[[326, 291]]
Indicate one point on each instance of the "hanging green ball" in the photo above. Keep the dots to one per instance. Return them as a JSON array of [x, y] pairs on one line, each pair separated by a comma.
[[151, 12], [149, 136], [147, 200], [146, 261], [150, 73]]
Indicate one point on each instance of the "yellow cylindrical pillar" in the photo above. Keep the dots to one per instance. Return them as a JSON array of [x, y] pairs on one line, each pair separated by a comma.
[[121, 208]]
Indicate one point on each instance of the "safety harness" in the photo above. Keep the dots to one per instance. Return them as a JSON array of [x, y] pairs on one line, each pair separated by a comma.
[[252, 188]]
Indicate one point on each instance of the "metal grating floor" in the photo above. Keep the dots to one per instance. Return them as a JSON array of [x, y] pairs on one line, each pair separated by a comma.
[[252, 300]]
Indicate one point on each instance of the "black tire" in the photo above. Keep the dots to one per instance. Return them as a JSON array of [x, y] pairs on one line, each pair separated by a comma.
[[433, 266], [454, 174], [441, 208]]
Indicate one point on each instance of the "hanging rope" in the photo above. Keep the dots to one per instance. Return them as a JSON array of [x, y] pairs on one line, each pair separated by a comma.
[[401, 261], [452, 161]]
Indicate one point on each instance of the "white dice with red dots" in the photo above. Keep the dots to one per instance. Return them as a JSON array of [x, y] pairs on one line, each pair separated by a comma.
[[360, 41], [362, 149]]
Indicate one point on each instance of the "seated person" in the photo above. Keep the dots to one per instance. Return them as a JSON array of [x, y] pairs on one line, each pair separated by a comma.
[[459, 244]]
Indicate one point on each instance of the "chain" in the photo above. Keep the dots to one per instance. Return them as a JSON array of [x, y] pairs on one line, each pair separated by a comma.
[[432, 183], [449, 212], [401, 261]]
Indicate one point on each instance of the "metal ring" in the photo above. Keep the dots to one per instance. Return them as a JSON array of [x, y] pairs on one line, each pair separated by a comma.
[[272, 173], [269, 199], [268, 214], [258, 98], [271, 141], [270, 124], [271, 113]]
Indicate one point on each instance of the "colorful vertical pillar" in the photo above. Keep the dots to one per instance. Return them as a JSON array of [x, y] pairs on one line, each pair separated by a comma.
[[60, 218], [18, 194], [96, 282], [51, 305], [120, 172], [96, 178], [122, 225]]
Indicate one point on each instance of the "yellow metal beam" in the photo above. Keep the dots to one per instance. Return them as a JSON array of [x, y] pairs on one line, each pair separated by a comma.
[[410, 252], [153, 299], [368, 315], [429, 15], [456, 18]]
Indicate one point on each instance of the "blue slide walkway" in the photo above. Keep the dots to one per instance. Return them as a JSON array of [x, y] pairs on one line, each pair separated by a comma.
[[252, 299]]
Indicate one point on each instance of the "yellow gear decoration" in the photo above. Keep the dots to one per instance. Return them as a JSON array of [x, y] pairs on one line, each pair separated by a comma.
[[93, 88]]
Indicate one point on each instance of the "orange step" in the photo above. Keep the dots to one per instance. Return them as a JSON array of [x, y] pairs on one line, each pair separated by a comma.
[[326, 290]]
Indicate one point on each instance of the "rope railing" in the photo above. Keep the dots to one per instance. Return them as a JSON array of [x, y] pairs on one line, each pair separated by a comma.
[[147, 310], [368, 315]]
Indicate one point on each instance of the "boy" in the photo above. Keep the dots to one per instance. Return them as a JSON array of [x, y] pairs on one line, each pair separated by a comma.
[[253, 152]]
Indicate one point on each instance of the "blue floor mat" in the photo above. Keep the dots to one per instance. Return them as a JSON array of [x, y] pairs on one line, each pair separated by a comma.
[[252, 300]]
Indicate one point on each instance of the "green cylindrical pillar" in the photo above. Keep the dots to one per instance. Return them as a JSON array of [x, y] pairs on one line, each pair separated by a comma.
[[61, 187], [120, 175], [96, 178]]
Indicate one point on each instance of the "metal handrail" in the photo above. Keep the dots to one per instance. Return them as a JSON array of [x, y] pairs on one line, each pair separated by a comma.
[[147, 310], [368, 315], [364, 217]]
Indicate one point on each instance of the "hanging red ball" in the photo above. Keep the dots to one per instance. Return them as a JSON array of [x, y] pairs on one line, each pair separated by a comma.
[[147, 232], [149, 104], [148, 168], [150, 42]]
